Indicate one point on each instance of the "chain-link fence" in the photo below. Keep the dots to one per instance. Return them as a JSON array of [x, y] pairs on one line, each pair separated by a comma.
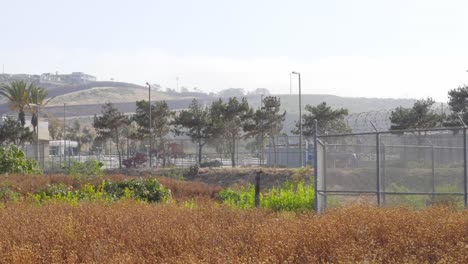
[[412, 167], [278, 152]]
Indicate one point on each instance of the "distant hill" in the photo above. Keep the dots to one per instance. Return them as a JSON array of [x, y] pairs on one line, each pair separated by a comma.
[[86, 100]]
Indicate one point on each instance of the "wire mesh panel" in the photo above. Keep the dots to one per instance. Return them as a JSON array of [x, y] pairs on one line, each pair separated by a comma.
[[350, 168], [422, 168], [417, 168]]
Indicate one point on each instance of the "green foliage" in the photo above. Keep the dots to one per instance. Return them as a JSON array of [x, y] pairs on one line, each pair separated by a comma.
[[328, 120], [8, 194], [147, 190], [89, 168], [229, 119], [13, 160], [458, 104], [265, 122], [110, 125], [12, 132], [290, 197], [195, 123], [61, 192], [36, 100], [448, 200], [419, 116], [17, 93], [422, 201], [160, 126], [415, 201]]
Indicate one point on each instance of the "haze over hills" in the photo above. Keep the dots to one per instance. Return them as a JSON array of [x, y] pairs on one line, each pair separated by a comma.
[[89, 94], [84, 96]]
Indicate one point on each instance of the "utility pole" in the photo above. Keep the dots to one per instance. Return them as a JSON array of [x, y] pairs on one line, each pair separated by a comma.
[[151, 134], [64, 134], [300, 120]]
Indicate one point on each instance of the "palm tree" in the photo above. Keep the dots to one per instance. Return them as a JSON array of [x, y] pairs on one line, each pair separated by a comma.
[[37, 100], [17, 93]]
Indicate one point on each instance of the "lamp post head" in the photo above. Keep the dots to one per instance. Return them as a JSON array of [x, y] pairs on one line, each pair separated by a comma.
[[295, 73], [148, 84]]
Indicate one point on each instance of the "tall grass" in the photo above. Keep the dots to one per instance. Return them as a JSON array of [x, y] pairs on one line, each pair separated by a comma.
[[129, 232], [290, 197]]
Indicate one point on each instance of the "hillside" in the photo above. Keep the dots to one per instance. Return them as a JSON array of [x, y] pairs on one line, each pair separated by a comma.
[[86, 100]]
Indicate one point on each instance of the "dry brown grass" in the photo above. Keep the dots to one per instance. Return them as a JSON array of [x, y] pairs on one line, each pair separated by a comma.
[[184, 190], [128, 232]]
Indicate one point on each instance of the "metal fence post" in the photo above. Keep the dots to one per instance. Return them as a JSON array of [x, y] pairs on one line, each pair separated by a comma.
[[377, 157], [315, 167], [257, 189], [433, 172], [379, 191], [465, 170], [383, 175]]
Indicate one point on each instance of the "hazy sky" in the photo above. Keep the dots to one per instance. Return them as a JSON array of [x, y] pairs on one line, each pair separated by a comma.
[[368, 48]]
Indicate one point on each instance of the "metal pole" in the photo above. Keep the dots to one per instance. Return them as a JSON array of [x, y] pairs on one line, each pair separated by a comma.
[[465, 161], [263, 136], [379, 191], [465, 169], [64, 135], [151, 134], [37, 128], [315, 167], [290, 84], [378, 173], [384, 157], [300, 122], [433, 172], [257, 189]]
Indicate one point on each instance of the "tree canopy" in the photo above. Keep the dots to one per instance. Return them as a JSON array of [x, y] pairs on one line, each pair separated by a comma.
[[110, 125], [458, 102], [17, 93], [229, 118], [329, 121], [196, 123], [420, 115]]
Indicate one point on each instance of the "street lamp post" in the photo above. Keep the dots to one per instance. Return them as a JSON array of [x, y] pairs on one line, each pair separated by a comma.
[[151, 135], [64, 134], [300, 119]]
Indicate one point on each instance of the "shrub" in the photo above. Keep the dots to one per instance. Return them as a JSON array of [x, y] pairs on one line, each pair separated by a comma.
[[135, 161], [211, 164], [89, 168], [8, 194], [148, 190], [290, 197], [13, 160]]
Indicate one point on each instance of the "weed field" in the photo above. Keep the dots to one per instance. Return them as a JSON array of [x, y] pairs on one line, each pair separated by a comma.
[[197, 227]]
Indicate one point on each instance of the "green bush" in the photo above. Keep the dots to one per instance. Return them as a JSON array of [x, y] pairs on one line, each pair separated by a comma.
[[8, 194], [13, 160], [89, 168], [148, 190], [290, 197]]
